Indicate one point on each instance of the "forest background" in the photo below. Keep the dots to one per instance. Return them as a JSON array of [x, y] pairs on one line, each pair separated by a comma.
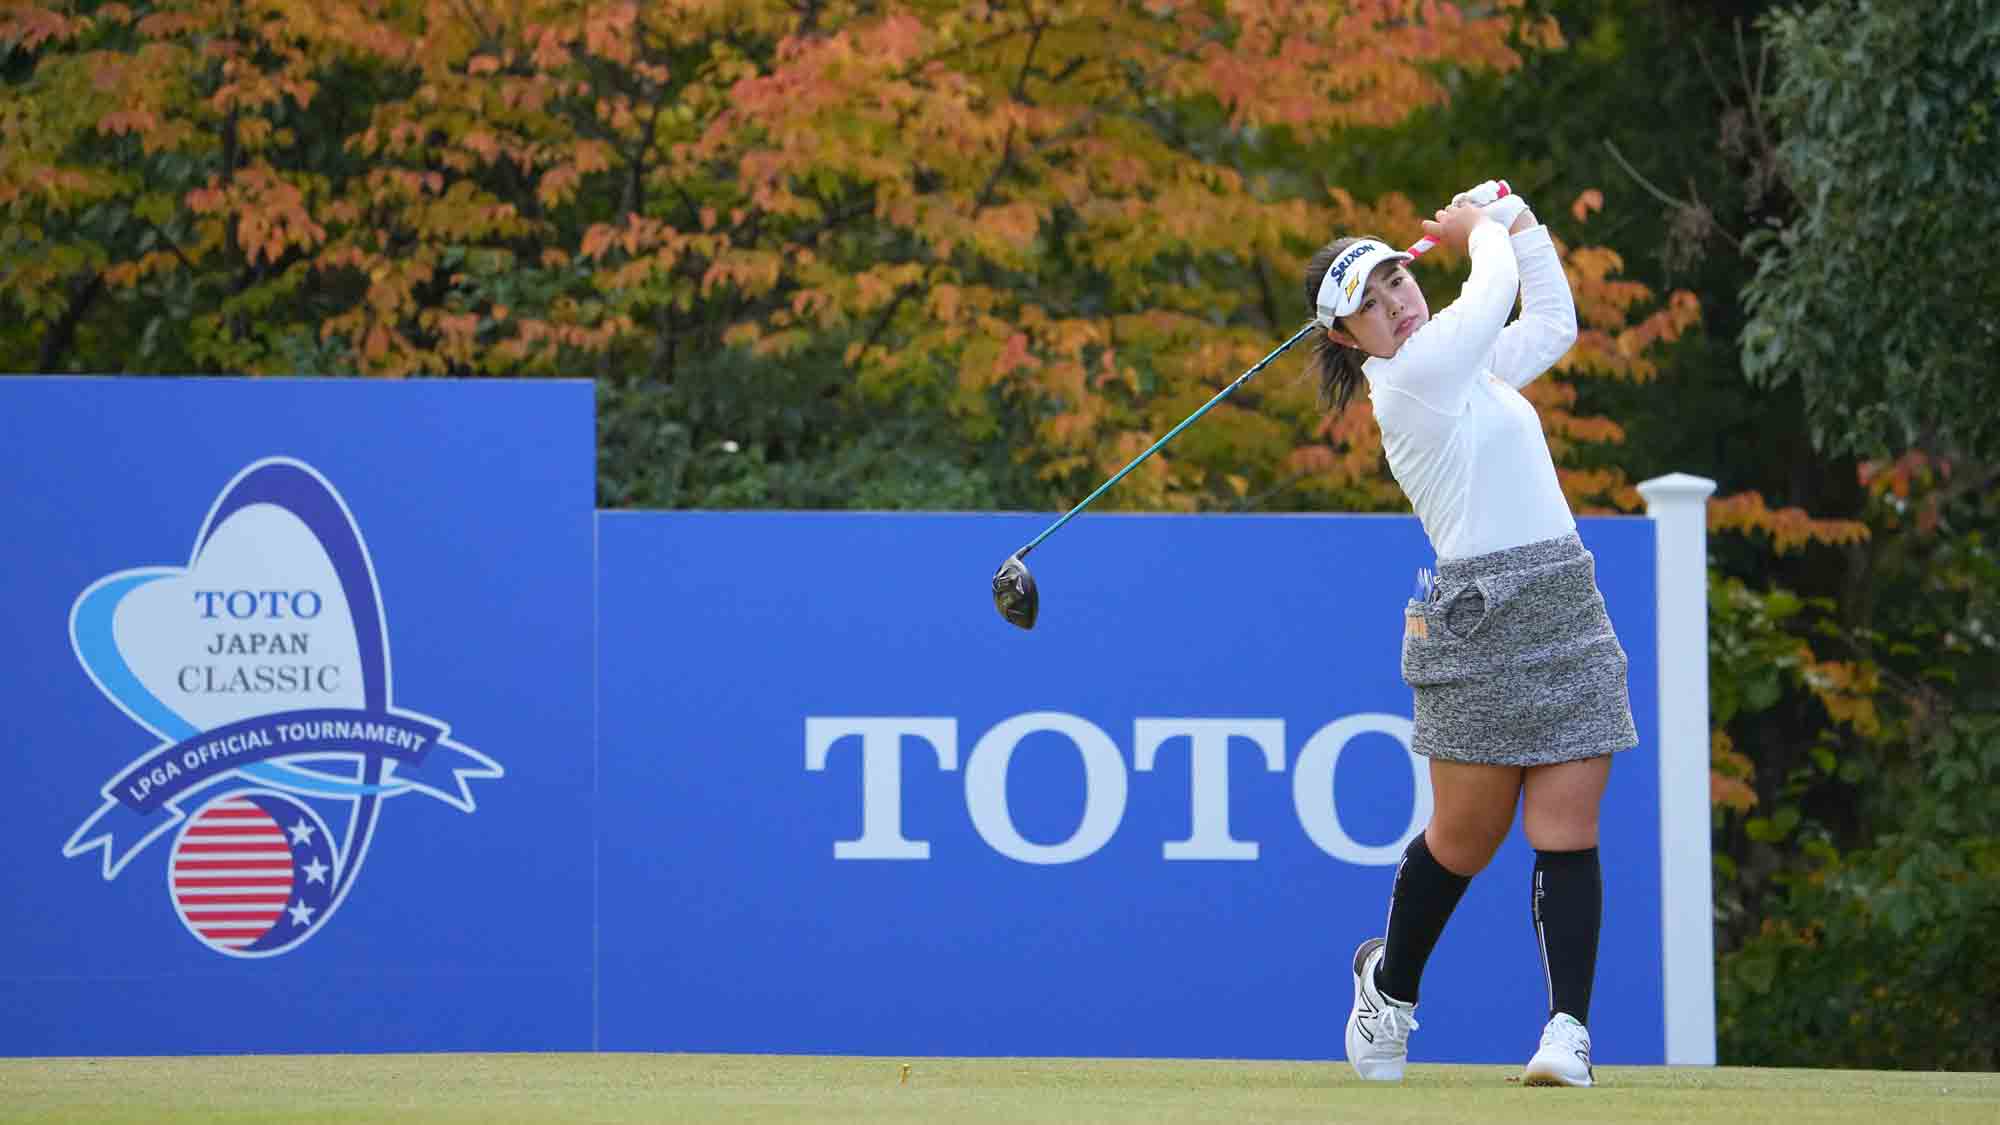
[[886, 255]]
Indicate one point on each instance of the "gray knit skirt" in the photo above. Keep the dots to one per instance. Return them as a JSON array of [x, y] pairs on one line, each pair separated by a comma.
[[1514, 661]]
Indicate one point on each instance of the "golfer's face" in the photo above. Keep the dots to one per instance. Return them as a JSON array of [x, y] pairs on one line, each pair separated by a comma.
[[1392, 309]]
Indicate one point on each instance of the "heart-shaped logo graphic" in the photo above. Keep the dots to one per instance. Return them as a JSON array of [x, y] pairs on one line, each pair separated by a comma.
[[258, 615]]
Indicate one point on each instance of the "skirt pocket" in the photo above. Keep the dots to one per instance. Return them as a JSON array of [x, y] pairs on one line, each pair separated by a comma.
[[1466, 610]]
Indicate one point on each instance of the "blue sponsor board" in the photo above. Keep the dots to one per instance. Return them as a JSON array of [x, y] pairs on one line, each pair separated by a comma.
[[299, 723], [847, 809], [339, 721]]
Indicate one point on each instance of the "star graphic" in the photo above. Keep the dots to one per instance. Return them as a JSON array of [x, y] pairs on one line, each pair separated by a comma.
[[315, 872], [301, 914], [302, 833]]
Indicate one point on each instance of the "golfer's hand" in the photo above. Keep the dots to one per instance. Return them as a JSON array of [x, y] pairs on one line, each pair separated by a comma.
[[1479, 196], [1454, 224], [1510, 211]]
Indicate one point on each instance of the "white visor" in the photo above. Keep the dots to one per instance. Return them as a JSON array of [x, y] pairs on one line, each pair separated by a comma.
[[1346, 283]]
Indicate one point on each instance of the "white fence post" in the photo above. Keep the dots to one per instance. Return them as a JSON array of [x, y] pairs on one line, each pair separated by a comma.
[[1678, 504]]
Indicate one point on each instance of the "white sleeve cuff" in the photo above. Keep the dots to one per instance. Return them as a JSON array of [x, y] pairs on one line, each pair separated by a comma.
[[1534, 238]]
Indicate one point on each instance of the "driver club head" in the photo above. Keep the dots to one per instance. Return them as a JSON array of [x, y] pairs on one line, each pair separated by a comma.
[[1014, 593]]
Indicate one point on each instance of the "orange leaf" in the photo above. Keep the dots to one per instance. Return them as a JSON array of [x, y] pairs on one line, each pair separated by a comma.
[[1730, 793]]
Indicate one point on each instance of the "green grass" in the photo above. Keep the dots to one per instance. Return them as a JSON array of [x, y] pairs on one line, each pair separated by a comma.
[[573, 1089]]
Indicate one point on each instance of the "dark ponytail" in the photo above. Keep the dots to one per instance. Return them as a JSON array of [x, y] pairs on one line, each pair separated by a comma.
[[1336, 369]]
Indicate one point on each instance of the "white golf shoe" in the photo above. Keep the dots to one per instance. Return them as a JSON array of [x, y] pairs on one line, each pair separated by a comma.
[[1564, 1056], [1378, 1029]]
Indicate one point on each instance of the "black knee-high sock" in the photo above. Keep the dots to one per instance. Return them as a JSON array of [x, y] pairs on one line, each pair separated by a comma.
[[1419, 906], [1568, 903]]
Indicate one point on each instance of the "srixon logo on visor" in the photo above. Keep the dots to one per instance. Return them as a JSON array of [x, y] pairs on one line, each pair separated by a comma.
[[1354, 254]]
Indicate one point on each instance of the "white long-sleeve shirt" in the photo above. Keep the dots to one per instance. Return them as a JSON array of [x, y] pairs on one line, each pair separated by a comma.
[[1462, 442]]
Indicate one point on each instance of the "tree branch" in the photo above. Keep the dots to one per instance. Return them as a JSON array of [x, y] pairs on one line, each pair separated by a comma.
[[1251, 503], [1708, 68], [1019, 93], [1663, 197], [1266, 298], [635, 183], [993, 181], [62, 334], [1753, 91], [471, 14], [168, 240]]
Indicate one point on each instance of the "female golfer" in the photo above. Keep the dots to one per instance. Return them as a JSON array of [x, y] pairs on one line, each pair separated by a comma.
[[1519, 679]]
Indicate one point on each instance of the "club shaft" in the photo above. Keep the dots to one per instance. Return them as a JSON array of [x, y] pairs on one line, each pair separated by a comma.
[[1422, 246], [1164, 439]]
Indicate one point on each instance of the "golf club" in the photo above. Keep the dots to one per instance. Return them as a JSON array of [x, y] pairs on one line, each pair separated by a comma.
[[1014, 591]]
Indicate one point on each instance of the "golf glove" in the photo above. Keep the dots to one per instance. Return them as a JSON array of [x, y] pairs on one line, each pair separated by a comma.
[[1487, 197]]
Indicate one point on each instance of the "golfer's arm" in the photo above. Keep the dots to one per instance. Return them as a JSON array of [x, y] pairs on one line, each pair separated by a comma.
[[1547, 326], [1443, 358]]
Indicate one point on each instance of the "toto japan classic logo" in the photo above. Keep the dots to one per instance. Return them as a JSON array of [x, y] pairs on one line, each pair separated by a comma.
[[262, 669]]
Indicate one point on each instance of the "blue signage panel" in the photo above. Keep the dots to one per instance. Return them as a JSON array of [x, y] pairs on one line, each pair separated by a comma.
[[298, 720], [302, 726], [845, 808]]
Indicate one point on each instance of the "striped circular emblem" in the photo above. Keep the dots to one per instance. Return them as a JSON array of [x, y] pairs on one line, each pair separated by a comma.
[[252, 873]]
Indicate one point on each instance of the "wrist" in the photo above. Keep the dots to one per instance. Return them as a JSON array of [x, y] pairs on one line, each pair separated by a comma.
[[1506, 210], [1493, 233]]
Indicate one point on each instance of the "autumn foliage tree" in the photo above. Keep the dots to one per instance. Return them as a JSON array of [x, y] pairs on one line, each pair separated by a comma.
[[1051, 230], [1059, 226]]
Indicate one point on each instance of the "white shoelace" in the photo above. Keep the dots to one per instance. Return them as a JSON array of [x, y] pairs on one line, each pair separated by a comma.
[[1566, 1034], [1395, 1023]]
